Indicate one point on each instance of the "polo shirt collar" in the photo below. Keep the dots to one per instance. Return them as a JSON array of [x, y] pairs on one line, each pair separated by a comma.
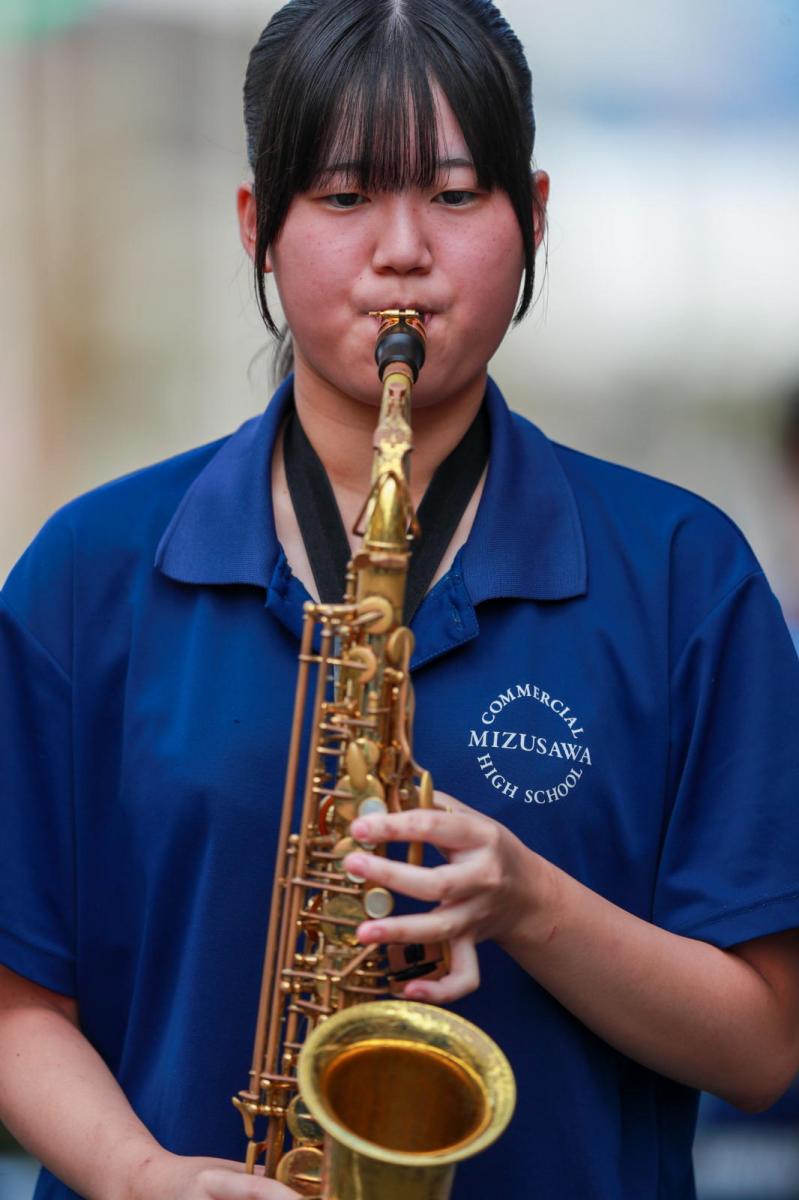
[[526, 541], [223, 530]]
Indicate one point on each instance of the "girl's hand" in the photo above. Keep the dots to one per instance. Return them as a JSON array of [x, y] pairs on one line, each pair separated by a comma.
[[175, 1177], [483, 890]]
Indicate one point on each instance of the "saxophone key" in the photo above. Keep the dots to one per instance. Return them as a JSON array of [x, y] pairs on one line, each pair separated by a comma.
[[341, 814], [370, 750], [378, 902], [360, 662], [372, 805], [302, 1127], [399, 646], [363, 762], [377, 613], [341, 850], [301, 1170], [357, 766], [372, 786], [342, 915], [348, 800]]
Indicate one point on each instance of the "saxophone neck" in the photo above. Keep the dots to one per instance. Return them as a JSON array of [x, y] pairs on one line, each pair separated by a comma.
[[388, 515], [389, 511]]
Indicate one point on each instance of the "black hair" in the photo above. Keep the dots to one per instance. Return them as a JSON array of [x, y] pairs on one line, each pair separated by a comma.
[[322, 86]]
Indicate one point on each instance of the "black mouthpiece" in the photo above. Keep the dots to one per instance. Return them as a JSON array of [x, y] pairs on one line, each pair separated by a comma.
[[400, 343]]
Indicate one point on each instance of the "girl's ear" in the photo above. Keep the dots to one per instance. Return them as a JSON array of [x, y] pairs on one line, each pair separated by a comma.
[[245, 206], [541, 189]]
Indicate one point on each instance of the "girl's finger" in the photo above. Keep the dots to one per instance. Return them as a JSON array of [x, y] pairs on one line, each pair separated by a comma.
[[448, 830], [449, 882], [463, 976], [221, 1184], [440, 925]]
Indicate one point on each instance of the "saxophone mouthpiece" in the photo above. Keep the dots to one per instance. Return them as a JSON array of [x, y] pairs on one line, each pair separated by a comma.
[[400, 339]]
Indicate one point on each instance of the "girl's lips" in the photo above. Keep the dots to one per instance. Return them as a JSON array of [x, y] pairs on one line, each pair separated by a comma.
[[426, 316]]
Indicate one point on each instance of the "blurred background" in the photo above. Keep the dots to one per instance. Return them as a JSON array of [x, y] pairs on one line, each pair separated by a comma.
[[666, 335]]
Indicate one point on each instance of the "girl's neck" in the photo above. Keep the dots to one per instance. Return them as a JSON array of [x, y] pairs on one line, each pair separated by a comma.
[[341, 431]]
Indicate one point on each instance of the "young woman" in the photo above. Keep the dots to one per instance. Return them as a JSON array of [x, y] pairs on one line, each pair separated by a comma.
[[603, 679]]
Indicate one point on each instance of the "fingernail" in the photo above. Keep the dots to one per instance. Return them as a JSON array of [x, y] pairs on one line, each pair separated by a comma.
[[355, 862], [360, 828], [369, 932]]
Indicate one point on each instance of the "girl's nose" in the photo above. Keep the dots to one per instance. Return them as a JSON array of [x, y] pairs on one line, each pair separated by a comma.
[[402, 244]]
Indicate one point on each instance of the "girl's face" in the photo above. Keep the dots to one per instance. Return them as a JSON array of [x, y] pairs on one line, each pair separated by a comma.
[[452, 251]]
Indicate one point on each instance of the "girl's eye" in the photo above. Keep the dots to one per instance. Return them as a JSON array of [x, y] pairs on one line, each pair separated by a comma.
[[345, 200], [456, 199]]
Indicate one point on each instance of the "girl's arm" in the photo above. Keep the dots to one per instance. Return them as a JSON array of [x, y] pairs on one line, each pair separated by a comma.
[[724, 1021], [59, 1100]]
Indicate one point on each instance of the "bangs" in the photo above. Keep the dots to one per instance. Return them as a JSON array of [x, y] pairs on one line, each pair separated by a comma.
[[381, 136]]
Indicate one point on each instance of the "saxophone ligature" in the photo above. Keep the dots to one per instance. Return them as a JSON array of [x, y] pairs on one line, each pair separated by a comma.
[[365, 1096]]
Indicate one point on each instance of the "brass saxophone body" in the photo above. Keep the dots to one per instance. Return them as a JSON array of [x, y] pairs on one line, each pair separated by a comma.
[[395, 1091]]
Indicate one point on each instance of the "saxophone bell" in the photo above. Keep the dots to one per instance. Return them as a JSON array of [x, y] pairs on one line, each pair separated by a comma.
[[404, 1091]]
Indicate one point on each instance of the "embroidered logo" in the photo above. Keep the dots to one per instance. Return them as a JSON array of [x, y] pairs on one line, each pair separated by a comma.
[[537, 751]]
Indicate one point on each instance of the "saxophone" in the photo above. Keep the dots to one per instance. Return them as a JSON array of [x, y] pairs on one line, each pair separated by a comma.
[[379, 1096]]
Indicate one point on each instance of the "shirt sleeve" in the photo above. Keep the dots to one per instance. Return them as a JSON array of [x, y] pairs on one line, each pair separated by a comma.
[[36, 814], [729, 868]]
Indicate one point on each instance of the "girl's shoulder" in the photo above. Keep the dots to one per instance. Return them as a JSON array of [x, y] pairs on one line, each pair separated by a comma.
[[651, 517], [647, 536], [131, 505], [102, 539], [643, 509], [622, 493]]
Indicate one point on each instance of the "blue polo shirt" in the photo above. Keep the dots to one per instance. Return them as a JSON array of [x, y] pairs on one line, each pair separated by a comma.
[[604, 669]]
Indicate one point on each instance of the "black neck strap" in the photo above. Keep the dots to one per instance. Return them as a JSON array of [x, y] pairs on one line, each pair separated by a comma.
[[440, 511]]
